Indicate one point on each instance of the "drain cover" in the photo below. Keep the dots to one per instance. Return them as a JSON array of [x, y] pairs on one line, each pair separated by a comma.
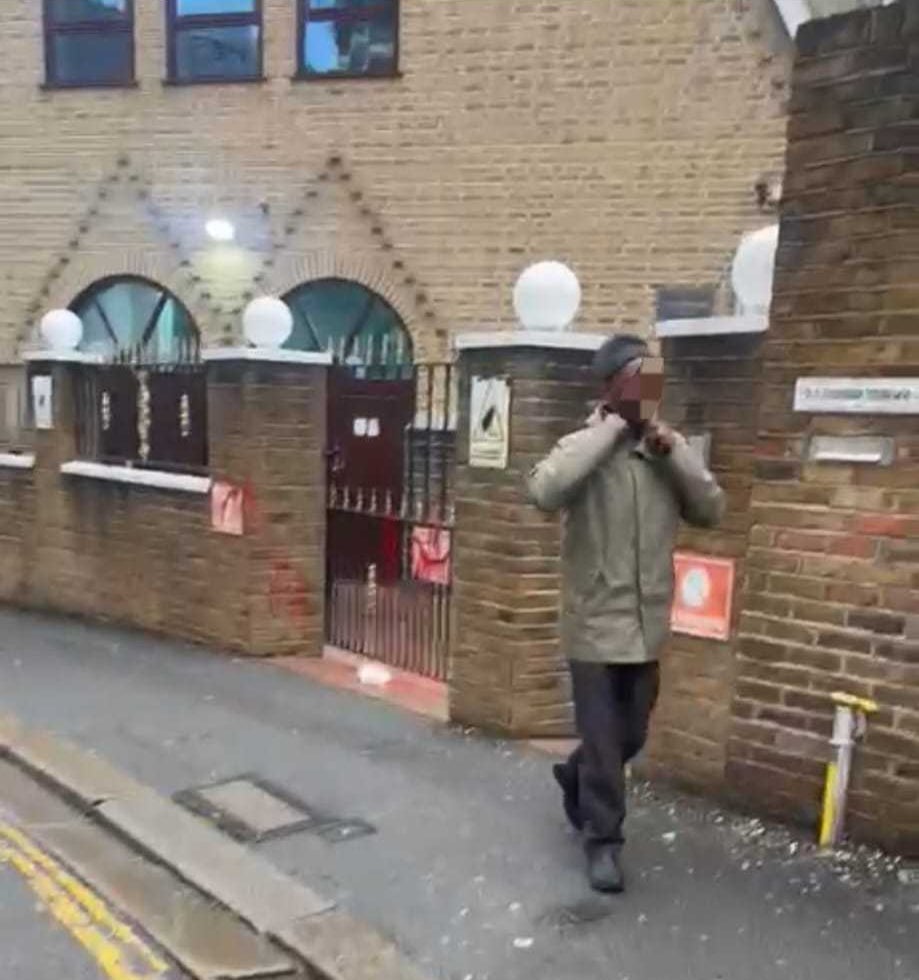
[[252, 810]]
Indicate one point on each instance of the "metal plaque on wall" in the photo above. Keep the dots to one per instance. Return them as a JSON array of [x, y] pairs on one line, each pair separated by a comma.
[[858, 396], [489, 423]]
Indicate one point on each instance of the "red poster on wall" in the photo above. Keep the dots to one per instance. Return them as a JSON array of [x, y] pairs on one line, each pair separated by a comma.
[[703, 596]]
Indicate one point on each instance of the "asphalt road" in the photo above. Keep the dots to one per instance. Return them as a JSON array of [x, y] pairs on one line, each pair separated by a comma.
[[53, 924], [33, 946], [471, 868]]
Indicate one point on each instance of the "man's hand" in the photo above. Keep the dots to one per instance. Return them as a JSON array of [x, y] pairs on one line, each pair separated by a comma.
[[660, 438]]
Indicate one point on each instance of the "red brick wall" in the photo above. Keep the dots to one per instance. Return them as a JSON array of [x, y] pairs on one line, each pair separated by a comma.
[[832, 586], [507, 672], [149, 558], [712, 387], [17, 505], [268, 432]]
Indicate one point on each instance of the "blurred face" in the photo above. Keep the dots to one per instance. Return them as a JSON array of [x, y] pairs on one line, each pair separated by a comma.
[[635, 392]]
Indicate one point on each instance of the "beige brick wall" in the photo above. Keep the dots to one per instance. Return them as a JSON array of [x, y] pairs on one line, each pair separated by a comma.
[[624, 136]]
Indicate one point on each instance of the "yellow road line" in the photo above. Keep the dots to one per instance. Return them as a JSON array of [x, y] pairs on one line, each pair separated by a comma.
[[117, 949]]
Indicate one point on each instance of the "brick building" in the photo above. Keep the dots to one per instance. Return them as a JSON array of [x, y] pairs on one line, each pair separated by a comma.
[[416, 159], [622, 136]]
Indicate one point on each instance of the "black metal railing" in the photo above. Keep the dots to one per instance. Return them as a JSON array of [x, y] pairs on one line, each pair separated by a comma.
[[16, 432], [146, 414], [390, 548]]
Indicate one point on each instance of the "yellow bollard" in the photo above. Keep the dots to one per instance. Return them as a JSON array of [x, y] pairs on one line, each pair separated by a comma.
[[849, 725]]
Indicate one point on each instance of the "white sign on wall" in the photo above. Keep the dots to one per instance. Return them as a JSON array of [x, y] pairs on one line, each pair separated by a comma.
[[858, 396], [489, 423], [42, 403]]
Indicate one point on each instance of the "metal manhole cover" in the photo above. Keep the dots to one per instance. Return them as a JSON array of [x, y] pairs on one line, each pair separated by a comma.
[[253, 810]]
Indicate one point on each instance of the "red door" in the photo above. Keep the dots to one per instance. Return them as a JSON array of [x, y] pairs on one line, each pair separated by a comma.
[[368, 422]]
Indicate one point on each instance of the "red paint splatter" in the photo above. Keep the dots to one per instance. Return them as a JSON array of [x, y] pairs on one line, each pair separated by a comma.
[[288, 593]]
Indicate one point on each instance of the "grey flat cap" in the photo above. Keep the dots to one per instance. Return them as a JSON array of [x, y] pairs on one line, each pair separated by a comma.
[[618, 351]]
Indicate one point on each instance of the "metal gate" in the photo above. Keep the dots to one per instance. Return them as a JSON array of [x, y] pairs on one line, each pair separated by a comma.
[[390, 515]]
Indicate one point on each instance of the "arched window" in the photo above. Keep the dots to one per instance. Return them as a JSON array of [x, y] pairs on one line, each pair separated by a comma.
[[129, 317], [350, 321]]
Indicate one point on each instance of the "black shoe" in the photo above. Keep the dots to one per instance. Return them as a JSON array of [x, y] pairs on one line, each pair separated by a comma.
[[569, 796], [603, 870]]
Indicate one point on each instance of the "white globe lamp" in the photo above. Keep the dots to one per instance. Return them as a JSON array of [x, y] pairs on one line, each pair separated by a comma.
[[547, 297], [754, 269], [62, 330], [267, 322]]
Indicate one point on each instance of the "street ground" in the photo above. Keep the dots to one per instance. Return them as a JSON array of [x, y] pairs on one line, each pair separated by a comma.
[[469, 867], [53, 925], [32, 944]]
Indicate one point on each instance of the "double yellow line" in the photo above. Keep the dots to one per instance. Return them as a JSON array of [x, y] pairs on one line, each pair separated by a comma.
[[117, 949]]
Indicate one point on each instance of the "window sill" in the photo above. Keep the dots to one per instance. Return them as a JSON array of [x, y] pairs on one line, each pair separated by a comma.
[[390, 76], [62, 357], [83, 86], [711, 326], [17, 461], [195, 82], [268, 355], [135, 476]]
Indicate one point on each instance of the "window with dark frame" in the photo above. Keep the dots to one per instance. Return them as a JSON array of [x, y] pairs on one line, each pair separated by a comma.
[[357, 326], [348, 38], [145, 403], [214, 40], [89, 43]]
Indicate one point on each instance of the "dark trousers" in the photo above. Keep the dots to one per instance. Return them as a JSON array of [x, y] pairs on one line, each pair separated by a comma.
[[613, 705]]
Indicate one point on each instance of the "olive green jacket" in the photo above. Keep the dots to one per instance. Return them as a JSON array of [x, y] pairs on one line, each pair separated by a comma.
[[622, 508]]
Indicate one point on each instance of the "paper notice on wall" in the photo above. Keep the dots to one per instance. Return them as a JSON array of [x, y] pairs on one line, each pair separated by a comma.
[[227, 506], [42, 401], [489, 423]]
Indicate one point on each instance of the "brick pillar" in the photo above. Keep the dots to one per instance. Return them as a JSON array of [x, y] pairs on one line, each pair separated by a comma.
[[51, 552], [508, 675], [713, 389], [268, 431], [831, 600]]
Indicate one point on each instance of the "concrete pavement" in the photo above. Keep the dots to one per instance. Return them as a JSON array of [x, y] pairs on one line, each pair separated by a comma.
[[471, 869]]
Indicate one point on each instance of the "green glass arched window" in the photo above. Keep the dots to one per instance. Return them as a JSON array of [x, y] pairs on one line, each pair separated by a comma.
[[135, 319], [350, 321]]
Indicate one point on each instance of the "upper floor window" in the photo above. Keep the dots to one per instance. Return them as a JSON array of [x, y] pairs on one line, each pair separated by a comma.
[[89, 42], [214, 40], [348, 38]]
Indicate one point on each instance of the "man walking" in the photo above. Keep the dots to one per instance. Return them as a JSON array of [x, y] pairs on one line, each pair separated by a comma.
[[624, 482]]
